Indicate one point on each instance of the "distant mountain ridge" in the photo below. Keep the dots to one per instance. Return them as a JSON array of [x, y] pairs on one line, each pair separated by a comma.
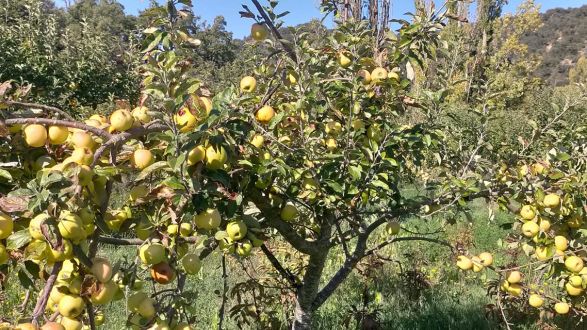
[[560, 41]]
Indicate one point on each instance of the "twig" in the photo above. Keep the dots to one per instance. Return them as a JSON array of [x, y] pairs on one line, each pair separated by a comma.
[[25, 302], [287, 274], [224, 291], [134, 241], [47, 108], [276, 32]]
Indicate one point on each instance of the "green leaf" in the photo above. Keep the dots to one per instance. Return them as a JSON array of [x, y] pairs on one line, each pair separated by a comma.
[[18, 239], [334, 186], [5, 174], [25, 280], [380, 184], [152, 168], [355, 171]]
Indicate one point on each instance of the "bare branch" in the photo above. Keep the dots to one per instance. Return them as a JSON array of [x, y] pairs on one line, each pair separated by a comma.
[[288, 275], [44, 297], [224, 291], [46, 108]]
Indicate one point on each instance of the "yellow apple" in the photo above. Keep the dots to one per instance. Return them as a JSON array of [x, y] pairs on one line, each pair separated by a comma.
[[358, 124], [344, 61], [561, 308], [215, 157], [576, 281], [121, 120], [333, 128], [57, 134], [392, 228], [71, 226], [236, 230], [265, 114], [191, 263], [515, 289], [530, 229], [185, 120], [143, 230], [535, 300], [259, 32], [146, 308], [135, 299], [544, 225], [514, 277], [101, 269], [486, 258], [196, 155], [244, 248], [257, 140], [477, 264], [208, 219], [365, 76], [6, 225], [152, 254], [35, 135], [141, 114], [173, 229], [185, 229], [82, 156], [464, 263], [574, 264], [544, 252], [248, 84], [24, 326], [71, 323], [3, 254], [52, 326], [60, 255], [393, 75], [378, 74], [81, 139], [289, 212], [105, 293], [572, 290], [71, 306], [552, 200], [527, 212], [142, 158], [561, 243]]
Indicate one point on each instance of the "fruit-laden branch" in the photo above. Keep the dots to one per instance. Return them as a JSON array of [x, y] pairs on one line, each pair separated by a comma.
[[274, 30], [136, 132], [46, 108], [58, 122], [44, 297], [288, 275]]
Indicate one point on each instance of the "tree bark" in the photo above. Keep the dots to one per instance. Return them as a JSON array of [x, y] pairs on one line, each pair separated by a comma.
[[307, 293]]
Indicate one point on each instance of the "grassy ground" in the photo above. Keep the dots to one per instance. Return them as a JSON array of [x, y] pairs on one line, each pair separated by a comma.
[[419, 289]]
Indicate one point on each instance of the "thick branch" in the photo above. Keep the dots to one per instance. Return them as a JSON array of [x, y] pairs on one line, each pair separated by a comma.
[[44, 297], [288, 275], [134, 241], [57, 122], [46, 108]]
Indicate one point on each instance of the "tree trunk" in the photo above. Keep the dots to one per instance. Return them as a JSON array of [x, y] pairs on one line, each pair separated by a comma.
[[302, 318]]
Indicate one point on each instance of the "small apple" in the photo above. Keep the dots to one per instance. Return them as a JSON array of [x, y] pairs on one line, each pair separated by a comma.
[[365, 76], [259, 32], [215, 157], [530, 229], [527, 212], [208, 219], [236, 230], [333, 128], [552, 201], [196, 155], [6, 225], [289, 212], [535, 300], [477, 264], [71, 306], [57, 134], [185, 229], [81, 139], [35, 135], [486, 258], [152, 254], [574, 264], [392, 228], [71, 226], [561, 243], [265, 114], [162, 273], [258, 140], [25, 326], [191, 263], [244, 248], [561, 308], [71, 323], [185, 120], [60, 255], [172, 229], [379, 74], [121, 120], [514, 277], [572, 290], [248, 84], [344, 61], [82, 156], [142, 158], [141, 114], [105, 293], [52, 326], [101, 269], [464, 263], [515, 289]]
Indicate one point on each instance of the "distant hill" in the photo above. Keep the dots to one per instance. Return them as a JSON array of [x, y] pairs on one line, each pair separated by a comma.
[[560, 41]]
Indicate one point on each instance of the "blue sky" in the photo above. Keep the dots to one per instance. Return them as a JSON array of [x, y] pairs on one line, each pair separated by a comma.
[[300, 10]]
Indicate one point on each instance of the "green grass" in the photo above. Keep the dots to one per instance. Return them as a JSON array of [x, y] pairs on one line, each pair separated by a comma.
[[426, 292]]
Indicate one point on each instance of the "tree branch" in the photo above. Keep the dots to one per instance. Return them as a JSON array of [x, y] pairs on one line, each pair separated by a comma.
[[46, 108], [133, 241], [288, 275], [44, 297], [58, 122], [224, 291]]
